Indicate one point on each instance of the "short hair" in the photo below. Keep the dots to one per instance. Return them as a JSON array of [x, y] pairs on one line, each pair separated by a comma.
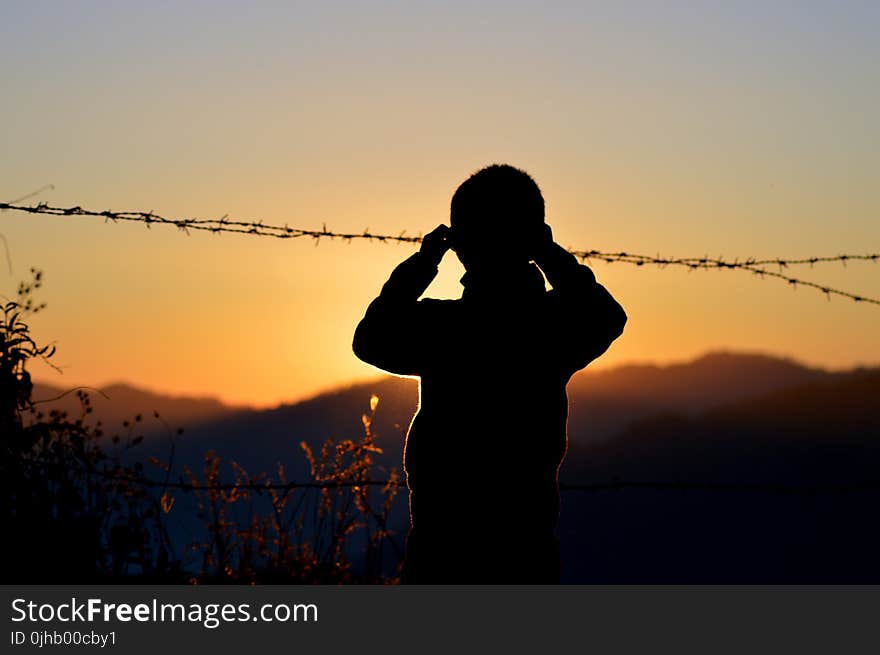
[[498, 196]]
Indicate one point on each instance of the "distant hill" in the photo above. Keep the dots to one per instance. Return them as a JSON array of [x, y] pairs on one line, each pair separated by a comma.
[[259, 439], [711, 380], [606, 401], [602, 404], [116, 403], [806, 431], [806, 437]]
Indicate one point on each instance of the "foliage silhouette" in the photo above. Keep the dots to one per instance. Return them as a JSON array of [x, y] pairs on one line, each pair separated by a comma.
[[78, 506]]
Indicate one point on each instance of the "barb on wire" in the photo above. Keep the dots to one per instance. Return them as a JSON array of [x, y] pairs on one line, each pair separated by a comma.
[[751, 265]]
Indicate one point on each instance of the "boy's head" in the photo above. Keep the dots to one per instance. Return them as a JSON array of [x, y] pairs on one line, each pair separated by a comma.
[[495, 215]]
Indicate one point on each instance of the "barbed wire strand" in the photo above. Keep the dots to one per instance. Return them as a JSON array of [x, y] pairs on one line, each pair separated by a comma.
[[613, 485], [137, 478], [258, 228]]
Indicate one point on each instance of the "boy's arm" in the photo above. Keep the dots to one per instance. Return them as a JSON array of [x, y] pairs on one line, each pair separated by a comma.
[[391, 335], [590, 318]]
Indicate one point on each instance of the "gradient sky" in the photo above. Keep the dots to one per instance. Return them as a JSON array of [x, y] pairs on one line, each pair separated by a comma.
[[737, 129]]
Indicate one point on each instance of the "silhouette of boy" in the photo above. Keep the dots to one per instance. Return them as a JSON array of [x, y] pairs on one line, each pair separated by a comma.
[[483, 450]]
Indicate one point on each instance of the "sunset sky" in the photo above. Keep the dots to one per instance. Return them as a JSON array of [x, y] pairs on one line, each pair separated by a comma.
[[736, 129]]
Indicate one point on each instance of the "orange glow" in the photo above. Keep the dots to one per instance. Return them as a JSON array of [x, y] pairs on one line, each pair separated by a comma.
[[357, 118]]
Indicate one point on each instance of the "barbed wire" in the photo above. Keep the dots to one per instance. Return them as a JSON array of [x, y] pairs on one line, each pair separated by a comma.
[[613, 485], [257, 228], [135, 476]]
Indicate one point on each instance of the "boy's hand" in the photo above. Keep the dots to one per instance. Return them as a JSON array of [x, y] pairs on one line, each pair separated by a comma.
[[542, 242], [435, 244]]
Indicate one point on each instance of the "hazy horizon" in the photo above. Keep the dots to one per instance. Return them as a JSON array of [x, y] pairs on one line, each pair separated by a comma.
[[380, 375]]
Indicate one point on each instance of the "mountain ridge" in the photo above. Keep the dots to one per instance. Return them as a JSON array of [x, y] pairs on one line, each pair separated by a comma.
[[602, 402]]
